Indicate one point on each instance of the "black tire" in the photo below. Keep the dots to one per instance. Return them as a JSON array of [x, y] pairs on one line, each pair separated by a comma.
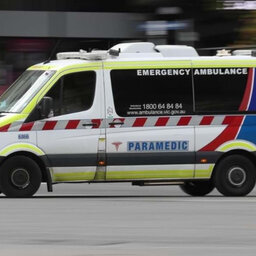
[[197, 188], [235, 175], [20, 176]]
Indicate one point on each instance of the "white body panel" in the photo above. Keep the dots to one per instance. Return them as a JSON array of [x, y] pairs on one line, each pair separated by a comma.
[[84, 140], [69, 142], [123, 136], [206, 134], [22, 137]]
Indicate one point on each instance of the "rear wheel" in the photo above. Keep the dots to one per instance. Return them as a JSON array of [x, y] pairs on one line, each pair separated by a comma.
[[235, 175], [197, 188], [20, 176]]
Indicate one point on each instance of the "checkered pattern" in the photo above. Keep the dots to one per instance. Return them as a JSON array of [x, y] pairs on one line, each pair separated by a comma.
[[120, 123]]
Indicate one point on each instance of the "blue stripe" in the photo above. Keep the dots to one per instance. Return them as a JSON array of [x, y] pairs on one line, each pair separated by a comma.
[[248, 129]]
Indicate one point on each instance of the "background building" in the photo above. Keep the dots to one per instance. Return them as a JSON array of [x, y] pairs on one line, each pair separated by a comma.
[[30, 29]]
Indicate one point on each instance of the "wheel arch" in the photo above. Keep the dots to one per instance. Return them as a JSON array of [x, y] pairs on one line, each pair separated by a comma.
[[242, 152], [42, 162]]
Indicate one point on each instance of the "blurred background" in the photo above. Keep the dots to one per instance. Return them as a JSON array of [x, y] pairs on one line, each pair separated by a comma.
[[31, 29]]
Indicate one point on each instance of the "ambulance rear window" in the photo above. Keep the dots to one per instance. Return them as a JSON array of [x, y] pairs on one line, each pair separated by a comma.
[[219, 90], [152, 92]]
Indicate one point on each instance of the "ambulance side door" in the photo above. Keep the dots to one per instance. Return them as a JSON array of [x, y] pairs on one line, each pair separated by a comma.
[[150, 132], [70, 135]]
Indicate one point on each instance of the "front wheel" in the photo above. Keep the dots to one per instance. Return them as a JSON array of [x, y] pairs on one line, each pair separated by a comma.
[[235, 175], [197, 188], [20, 176]]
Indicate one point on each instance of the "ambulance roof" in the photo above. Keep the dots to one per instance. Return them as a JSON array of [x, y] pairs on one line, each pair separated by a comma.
[[138, 52]]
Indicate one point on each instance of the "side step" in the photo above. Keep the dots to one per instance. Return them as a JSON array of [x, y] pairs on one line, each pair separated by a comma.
[[156, 183]]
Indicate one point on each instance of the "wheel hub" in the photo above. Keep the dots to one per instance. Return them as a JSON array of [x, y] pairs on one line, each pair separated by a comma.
[[20, 178], [237, 176]]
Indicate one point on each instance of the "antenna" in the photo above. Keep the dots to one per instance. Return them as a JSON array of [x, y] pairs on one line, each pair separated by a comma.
[[53, 51]]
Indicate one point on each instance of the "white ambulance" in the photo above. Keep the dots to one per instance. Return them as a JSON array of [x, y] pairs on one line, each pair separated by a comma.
[[139, 113]]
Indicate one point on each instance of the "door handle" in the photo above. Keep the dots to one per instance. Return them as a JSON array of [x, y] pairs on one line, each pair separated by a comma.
[[116, 123], [89, 124]]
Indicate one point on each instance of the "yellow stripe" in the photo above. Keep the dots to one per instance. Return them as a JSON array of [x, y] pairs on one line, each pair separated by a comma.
[[146, 174], [204, 173], [237, 145], [93, 65], [146, 64], [11, 118], [222, 63], [82, 67], [100, 174], [41, 67], [179, 64], [153, 64], [20, 147], [131, 175], [74, 176]]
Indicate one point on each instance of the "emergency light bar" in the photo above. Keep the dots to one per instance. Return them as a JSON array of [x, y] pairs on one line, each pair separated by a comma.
[[129, 50], [94, 55]]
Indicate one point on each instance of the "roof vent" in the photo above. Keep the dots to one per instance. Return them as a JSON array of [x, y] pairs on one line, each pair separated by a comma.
[[141, 47], [176, 50], [248, 52], [149, 49]]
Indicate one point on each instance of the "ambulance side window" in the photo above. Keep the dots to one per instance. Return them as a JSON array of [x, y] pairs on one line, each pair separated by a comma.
[[71, 93], [219, 90], [152, 92]]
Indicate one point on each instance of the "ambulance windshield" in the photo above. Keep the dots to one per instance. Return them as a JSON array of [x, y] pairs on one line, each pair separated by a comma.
[[16, 98]]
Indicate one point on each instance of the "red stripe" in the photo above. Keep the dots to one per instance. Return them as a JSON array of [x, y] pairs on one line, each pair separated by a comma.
[[229, 133], [232, 120], [72, 124], [5, 128], [27, 126], [49, 125], [97, 123], [247, 92], [162, 121], [139, 122], [206, 120], [184, 120]]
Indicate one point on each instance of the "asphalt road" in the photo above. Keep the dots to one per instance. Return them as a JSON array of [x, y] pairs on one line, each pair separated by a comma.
[[118, 219]]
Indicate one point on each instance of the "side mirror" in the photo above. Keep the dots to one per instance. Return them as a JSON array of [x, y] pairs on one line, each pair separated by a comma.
[[46, 106]]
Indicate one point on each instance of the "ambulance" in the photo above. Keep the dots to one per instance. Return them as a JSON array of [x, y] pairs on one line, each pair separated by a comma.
[[140, 113]]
